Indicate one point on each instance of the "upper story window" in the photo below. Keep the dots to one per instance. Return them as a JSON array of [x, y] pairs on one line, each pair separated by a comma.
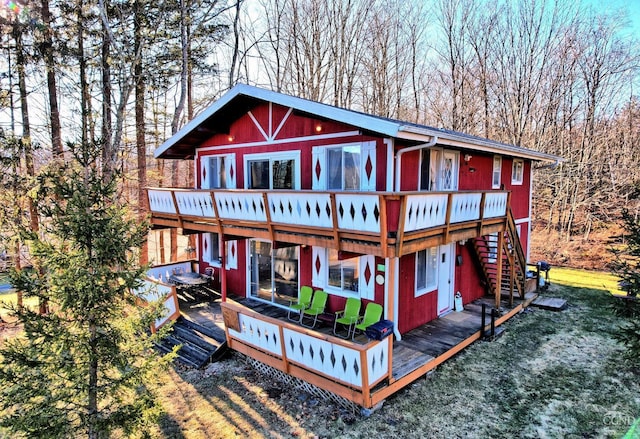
[[277, 170], [343, 167], [426, 271], [517, 171], [439, 170], [348, 167], [497, 171], [217, 172]]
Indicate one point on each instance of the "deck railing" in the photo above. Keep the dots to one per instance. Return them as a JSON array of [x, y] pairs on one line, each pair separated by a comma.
[[380, 215], [343, 367]]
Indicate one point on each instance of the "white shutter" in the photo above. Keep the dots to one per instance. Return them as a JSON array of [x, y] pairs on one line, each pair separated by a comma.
[[230, 170], [231, 255], [207, 240], [318, 168], [205, 170], [318, 267], [368, 166], [367, 282]]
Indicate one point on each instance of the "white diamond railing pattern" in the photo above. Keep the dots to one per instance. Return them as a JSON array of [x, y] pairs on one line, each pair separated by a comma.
[[258, 333], [322, 356], [424, 211], [303, 209], [465, 206], [353, 211], [195, 203], [161, 201], [358, 212], [495, 204]]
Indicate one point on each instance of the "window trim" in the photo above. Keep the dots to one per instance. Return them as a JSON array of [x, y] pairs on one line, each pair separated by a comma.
[[271, 156], [515, 178], [429, 288], [497, 170]]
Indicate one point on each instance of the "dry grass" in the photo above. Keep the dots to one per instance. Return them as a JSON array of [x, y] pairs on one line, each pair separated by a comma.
[[550, 375]]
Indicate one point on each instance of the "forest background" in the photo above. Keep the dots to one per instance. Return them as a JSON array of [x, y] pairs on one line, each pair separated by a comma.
[[560, 77]]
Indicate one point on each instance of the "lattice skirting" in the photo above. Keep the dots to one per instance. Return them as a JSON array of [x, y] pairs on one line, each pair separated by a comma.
[[299, 384]]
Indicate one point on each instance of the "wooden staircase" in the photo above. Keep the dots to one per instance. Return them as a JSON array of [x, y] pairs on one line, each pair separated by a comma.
[[510, 271], [199, 345]]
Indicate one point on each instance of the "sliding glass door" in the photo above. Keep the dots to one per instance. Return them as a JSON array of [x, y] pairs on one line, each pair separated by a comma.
[[273, 272]]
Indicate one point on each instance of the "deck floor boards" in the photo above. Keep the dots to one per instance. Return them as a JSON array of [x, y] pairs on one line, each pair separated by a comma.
[[417, 347]]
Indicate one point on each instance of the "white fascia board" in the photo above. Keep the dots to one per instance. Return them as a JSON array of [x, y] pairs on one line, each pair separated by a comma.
[[447, 138]]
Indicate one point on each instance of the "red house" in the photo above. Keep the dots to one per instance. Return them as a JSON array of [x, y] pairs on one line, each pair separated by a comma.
[[294, 193]]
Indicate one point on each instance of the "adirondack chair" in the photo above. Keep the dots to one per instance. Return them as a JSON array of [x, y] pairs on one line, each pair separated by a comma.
[[315, 309], [348, 316], [372, 314], [304, 300]]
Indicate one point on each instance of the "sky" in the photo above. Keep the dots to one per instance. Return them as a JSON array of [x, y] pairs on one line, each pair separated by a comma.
[[610, 6]]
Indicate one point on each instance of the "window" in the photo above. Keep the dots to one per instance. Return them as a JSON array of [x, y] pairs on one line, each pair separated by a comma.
[[211, 249], [217, 172], [517, 171], [429, 169], [343, 164], [276, 170], [426, 271], [352, 277], [342, 274], [497, 170]]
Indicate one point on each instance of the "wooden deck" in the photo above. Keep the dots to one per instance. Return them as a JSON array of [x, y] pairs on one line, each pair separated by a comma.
[[419, 351]]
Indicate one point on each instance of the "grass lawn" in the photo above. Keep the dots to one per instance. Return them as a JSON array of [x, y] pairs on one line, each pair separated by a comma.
[[552, 374]]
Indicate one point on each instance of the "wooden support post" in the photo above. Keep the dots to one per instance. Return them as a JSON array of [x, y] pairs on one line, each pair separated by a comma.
[[175, 205], [401, 224], [391, 305], [447, 223], [334, 217], [267, 212], [499, 268]]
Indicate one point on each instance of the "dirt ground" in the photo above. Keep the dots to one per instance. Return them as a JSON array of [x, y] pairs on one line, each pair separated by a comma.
[[552, 374]]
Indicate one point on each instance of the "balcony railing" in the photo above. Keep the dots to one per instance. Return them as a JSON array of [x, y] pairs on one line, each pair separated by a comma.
[[379, 219], [346, 368]]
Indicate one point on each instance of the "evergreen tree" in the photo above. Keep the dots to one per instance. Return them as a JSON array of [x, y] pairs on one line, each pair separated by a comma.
[[627, 266], [86, 367]]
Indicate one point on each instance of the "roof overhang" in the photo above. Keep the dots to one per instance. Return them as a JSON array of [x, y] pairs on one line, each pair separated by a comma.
[[218, 117]]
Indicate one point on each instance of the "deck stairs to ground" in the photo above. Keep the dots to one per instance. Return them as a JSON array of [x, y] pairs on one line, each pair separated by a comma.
[[513, 261], [199, 345]]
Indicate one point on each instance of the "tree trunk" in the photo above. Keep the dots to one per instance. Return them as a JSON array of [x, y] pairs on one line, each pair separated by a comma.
[[141, 146], [47, 51]]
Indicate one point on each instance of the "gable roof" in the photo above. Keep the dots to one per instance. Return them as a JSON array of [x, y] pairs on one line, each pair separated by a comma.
[[218, 117]]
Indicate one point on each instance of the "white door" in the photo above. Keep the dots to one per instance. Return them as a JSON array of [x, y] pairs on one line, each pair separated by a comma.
[[449, 171], [446, 255]]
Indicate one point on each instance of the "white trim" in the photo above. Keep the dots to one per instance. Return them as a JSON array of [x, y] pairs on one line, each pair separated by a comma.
[[291, 155], [384, 127], [523, 220], [514, 181], [429, 288], [282, 141], [390, 163], [270, 120], [493, 171], [257, 124], [284, 119]]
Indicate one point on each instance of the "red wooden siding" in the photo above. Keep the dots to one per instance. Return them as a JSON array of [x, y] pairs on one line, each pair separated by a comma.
[[413, 311]]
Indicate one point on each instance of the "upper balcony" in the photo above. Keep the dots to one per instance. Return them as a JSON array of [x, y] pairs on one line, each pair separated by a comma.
[[376, 223]]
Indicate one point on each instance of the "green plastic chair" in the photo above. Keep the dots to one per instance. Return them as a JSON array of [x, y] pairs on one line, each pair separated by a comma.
[[304, 300], [348, 316], [315, 309], [372, 314]]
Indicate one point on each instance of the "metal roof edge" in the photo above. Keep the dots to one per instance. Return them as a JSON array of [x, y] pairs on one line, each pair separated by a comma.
[[480, 144]]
